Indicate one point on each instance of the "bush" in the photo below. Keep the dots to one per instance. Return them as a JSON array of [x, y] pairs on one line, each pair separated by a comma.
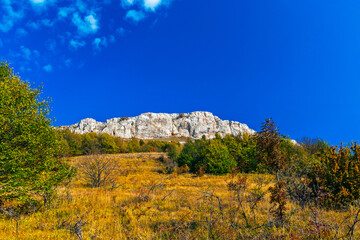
[[98, 170]]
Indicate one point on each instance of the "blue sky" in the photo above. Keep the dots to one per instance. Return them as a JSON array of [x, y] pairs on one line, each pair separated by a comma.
[[295, 61]]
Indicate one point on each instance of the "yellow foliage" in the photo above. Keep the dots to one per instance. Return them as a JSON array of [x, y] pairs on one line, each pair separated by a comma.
[[176, 206]]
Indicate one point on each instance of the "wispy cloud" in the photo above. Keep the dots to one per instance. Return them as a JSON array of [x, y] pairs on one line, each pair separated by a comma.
[[28, 54], [86, 25], [9, 16], [145, 4], [98, 43], [40, 5], [65, 12], [75, 44], [135, 15], [81, 23], [81, 6], [127, 3], [48, 68], [152, 4], [37, 1]]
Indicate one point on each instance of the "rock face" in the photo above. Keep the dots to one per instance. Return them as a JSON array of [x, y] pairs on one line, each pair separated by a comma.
[[162, 125]]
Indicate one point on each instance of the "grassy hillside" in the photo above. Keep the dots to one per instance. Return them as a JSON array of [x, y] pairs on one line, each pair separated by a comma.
[[145, 203]]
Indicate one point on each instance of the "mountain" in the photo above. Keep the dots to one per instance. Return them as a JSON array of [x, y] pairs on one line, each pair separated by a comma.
[[162, 125]]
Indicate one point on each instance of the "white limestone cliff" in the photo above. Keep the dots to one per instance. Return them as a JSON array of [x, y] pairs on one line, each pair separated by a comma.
[[163, 125]]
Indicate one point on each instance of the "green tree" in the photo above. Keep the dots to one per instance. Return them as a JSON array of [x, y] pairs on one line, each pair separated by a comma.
[[212, 156], [107, 143], [90, 143], [134, 146], [73, 141], [30, 165], [216, 158], [173, 150], [191, 154]]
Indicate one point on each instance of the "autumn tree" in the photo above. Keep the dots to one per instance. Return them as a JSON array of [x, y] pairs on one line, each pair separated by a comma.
[[30, 165]]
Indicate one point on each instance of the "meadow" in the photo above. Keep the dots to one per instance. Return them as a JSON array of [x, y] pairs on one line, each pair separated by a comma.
[[145, 202]]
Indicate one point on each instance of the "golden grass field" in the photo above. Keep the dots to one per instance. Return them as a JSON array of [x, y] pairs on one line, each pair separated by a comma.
[[148, 204]]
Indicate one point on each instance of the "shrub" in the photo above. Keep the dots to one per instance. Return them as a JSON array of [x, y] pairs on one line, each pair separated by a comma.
[[98, 170]]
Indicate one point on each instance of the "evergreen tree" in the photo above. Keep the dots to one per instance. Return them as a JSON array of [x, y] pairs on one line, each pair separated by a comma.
[[268, 143]]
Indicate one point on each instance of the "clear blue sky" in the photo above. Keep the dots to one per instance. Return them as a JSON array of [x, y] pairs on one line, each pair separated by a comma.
[[295, 61]]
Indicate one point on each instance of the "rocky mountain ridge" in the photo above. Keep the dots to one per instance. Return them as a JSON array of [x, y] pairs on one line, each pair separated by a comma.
[[162, 125]]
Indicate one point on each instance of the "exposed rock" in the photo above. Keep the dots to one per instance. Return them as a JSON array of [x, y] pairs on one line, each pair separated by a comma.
[[163, 125]]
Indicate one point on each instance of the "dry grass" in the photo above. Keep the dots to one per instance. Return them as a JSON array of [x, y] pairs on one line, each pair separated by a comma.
[[148, 204]]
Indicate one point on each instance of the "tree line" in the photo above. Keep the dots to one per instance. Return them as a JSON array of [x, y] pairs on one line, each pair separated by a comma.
[[75, 144]]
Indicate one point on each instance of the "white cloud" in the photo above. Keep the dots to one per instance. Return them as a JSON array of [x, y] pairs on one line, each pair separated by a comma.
[[81, 6], [152, 4], [40, 5], [37, 1], [135, 15], [75, 44], [127, 3], [90, 19], [64, 12], [48, 68], [26, 53], [87, 25], [98, 43], [9, 16], [44, 22]]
